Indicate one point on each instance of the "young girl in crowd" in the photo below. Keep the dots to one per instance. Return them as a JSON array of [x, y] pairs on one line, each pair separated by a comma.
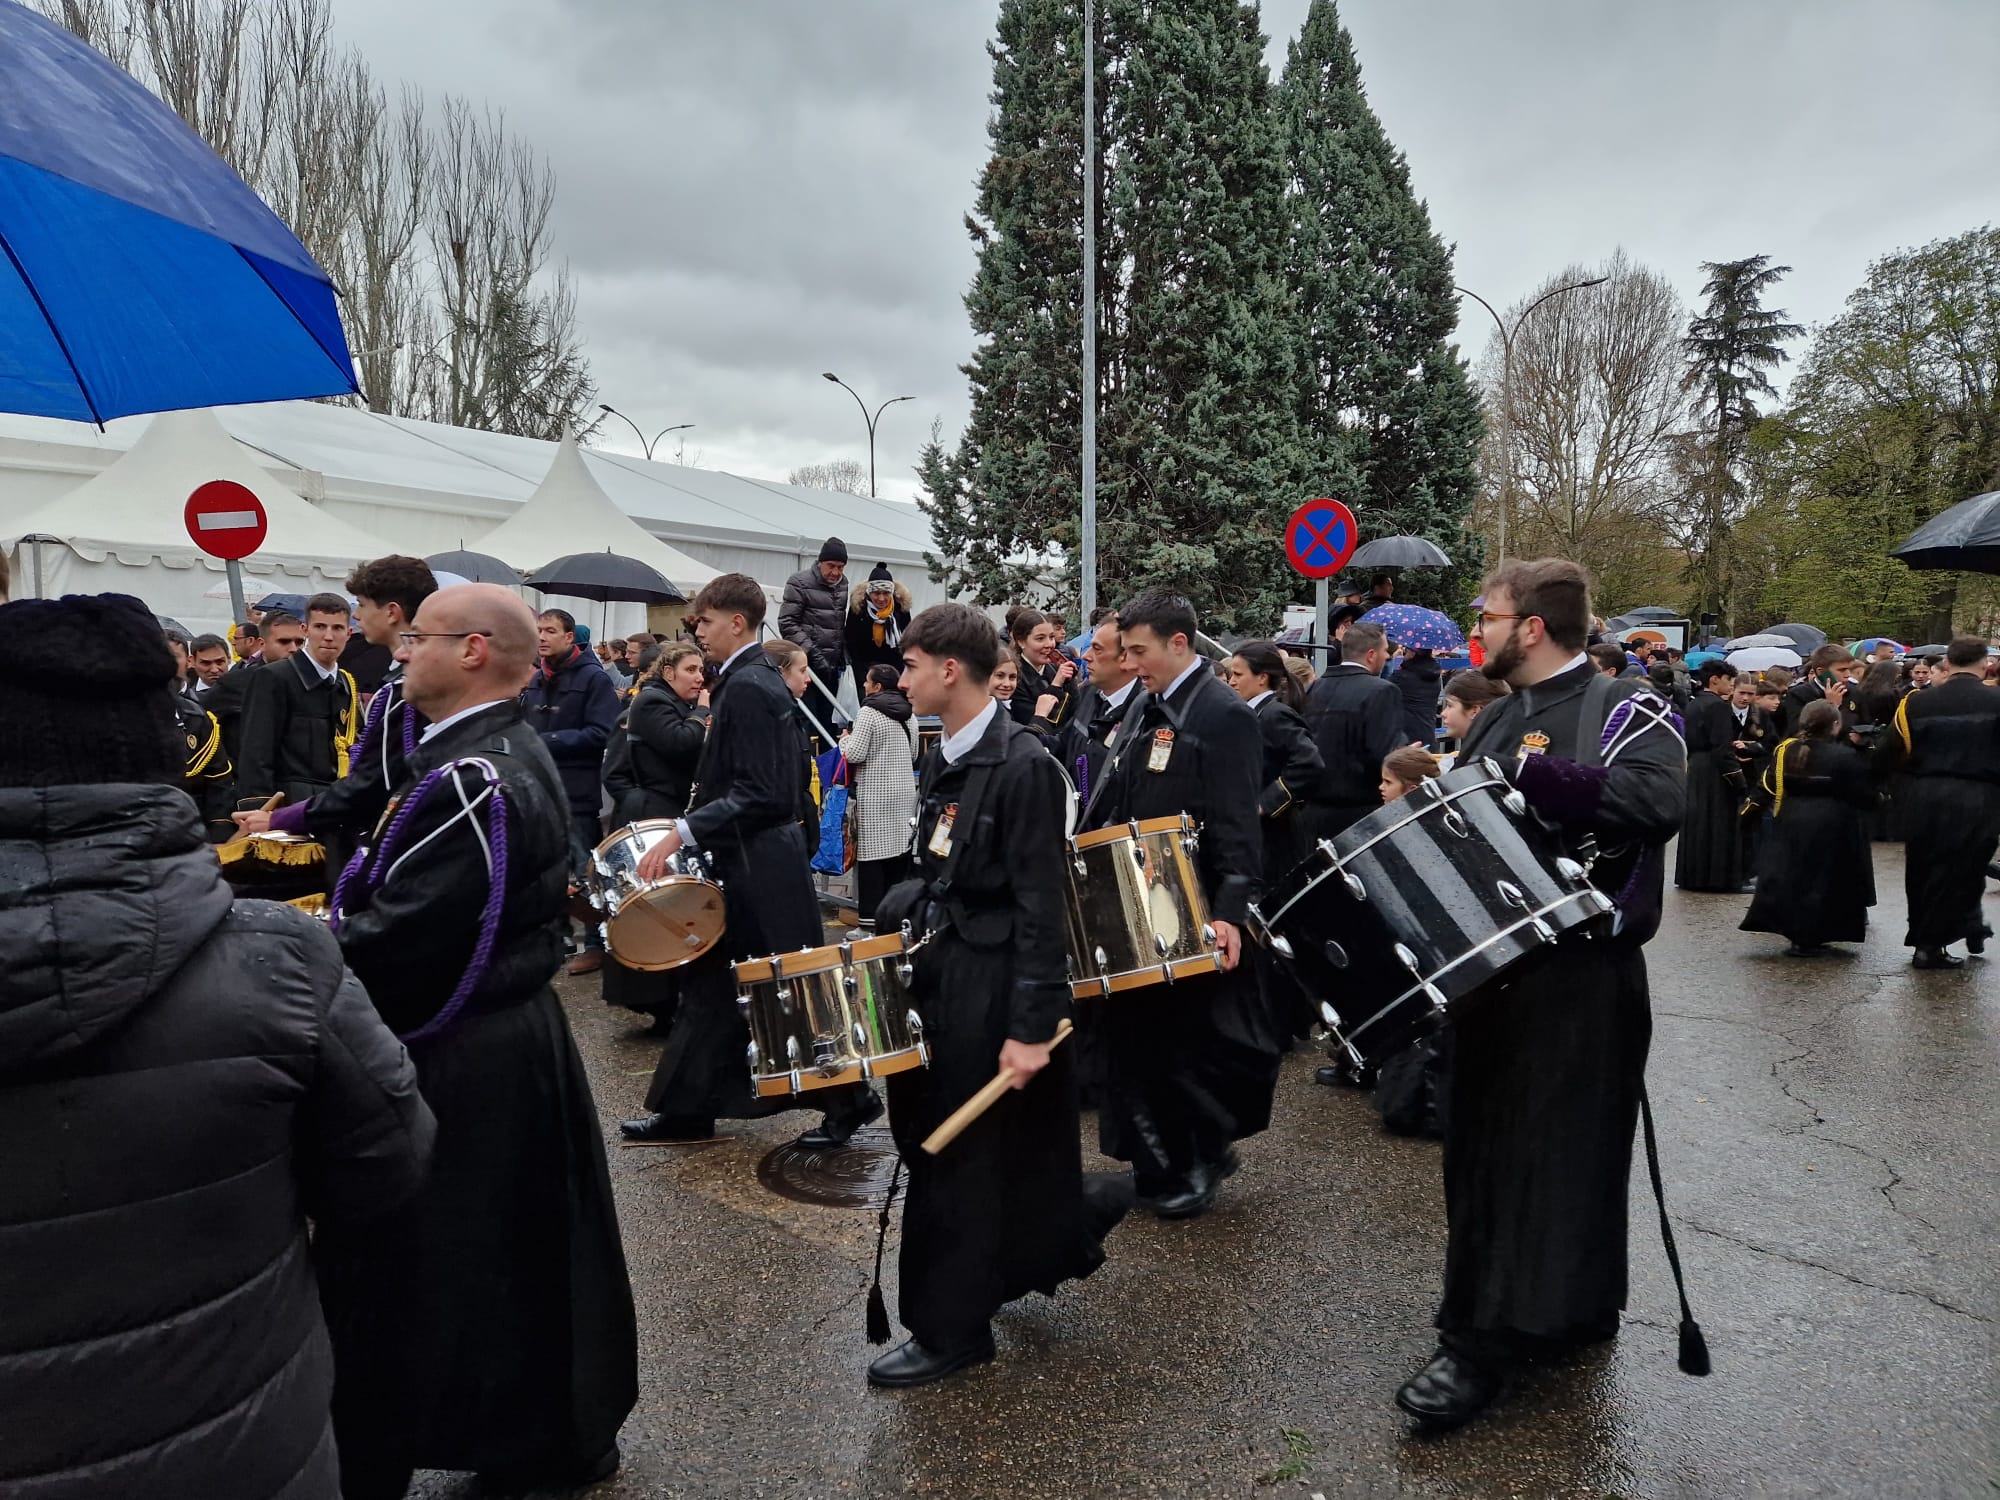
[[1465, 696], [1047, 682], [1404, 770], [1006, 677]]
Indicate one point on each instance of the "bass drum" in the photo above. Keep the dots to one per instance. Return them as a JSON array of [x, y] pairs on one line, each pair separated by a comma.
[[1417, 906]]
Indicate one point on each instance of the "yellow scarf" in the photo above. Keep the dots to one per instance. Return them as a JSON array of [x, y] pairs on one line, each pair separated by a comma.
[[884, 620]]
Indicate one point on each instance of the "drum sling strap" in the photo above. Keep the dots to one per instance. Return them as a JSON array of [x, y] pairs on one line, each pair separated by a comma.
[[1597, 702]]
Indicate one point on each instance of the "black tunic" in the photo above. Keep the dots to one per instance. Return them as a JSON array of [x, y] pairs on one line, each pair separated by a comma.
[[1356, 720], [1815, 878], [658, 743], [489, 1324], [292, 720], [210, 779], [1947, 742], [1291, 769], [999, 1212], [341, 814], [1710, 855], [1192, 1066], [1549, 1059]]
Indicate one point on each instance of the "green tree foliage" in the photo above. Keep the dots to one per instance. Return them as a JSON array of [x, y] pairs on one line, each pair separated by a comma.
[[1895, 416], [1387, 414], [1732, 345]]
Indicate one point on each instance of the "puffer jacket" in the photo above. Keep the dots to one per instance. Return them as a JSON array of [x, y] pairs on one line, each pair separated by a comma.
[[813, 615], [574, 707], [863, 651], [184, 1078]]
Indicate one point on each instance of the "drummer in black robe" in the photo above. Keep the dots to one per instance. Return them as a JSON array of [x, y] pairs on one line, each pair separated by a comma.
[[488, 1325], [1947, 744], [746, 815], [1550, 1057], [999, 1212], [1188, 1067], [1710, 854], [1815, 879]]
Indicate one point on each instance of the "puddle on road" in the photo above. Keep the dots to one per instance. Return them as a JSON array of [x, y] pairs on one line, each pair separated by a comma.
[[852, 1176]]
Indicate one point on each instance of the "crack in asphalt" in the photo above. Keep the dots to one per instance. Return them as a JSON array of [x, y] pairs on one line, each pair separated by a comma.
[[1848, 1276]]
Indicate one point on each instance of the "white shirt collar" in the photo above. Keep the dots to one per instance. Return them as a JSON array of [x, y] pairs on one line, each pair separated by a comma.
[[738, 654], [1117, 699], [1200, 663], [956, 747], [1581, 659], [1260, 697], [326, 674], [450, 719]]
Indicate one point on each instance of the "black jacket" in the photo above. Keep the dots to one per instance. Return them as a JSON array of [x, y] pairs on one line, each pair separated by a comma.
[[211, 778], [1084, 744], [292, 722], [1028, 691], [813, 614], [1291, 765], [859, 637], [1417, 681], [225, 701], [375, 767], [184, 1080], [573, 707], [1952, 729], [665, 736], [1356, 719]]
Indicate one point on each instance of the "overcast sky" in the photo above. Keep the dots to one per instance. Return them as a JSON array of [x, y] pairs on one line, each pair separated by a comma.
[[753, 191]]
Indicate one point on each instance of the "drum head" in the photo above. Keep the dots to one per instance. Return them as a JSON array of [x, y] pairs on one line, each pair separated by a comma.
[[672, 924]]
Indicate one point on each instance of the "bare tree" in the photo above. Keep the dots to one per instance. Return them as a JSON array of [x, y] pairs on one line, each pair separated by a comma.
[[848, 475]]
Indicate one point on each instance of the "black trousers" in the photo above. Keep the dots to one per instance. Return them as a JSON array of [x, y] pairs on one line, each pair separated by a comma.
[[872, 879]]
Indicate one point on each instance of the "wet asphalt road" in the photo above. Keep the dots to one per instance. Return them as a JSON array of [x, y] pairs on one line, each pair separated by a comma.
[[1831, 1139]]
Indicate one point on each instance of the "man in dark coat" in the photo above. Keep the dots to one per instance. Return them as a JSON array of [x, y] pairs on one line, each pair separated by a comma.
[[1710, 856], [813, 617], [1100, 708], [878, 613], [488, 1325], [185, 1080], [1550, 1058], [301, 714], [283, 635], [999, 1212], [1356, 718], [746, 816], [1947, 743], [573, 705], [1191, 1068]]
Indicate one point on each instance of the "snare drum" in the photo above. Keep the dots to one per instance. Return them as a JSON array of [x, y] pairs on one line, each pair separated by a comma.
[[662, 925], [1137, 914], [826, 1016], [1418, 905]]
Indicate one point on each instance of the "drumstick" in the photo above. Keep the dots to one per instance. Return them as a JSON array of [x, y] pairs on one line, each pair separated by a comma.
[[955, 1123], [243, 833]]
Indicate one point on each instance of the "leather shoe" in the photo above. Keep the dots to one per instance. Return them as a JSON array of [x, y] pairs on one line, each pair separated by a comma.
[[1194, 1196], [1344, 1075], [1805, 950], [838, 1130], [1449, 1391], [912, 1364], [587, 962], [654, 1129], [1936, 958]]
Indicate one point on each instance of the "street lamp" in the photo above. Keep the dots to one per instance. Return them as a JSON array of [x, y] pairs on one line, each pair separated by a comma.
[[1507, 389], [871, 421], [613, 411]]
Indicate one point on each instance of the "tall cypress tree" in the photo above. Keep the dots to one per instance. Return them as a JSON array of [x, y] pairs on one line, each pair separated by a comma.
[[1384, 401]]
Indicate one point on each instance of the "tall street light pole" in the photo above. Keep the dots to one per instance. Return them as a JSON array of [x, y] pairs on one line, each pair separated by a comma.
[[871, 421], [1089, 382], [613, 411], [1507, 389]]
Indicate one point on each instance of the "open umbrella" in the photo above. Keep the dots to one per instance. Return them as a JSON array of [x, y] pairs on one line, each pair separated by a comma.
[[1696, 658], [1411, 625], [291, 604], [140, 273], [475, 567], [1927, 651], [1399, 552], [1965, 538], [1863, 648], [1760, 658], [1808, 638], [1762, 638], [1653, 612], [605, 576]]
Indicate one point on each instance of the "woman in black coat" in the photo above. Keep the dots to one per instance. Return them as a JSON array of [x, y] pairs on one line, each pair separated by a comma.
[[666, 728], [1417, 680], [1815, 881], [1046, 672]]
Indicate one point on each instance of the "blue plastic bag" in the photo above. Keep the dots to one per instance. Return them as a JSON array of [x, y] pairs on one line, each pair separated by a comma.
[[835, 855]]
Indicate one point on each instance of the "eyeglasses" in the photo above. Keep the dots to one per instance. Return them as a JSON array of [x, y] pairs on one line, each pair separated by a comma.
[[411, 637], [1487, 618]]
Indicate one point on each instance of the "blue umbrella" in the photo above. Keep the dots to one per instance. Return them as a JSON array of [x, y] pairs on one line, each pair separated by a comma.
[[137, 272], [1410, 625], [1862, 648]]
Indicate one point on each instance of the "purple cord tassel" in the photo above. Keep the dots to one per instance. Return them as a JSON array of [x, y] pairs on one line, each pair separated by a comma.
[[378, 710]]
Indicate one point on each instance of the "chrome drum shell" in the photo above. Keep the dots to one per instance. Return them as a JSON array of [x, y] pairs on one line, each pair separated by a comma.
[[844, 1013], [1137, 915]]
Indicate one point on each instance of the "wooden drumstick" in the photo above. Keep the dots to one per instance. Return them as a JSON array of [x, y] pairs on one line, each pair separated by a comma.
[[955, 1123], [243, 833]]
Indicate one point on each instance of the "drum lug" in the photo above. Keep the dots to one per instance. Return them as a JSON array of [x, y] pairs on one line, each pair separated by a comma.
[[1335, 954], [792, 1053], [1281, 947], [1354, 886], [1570, 870], [1078, 865], [755, 1058], [1515, 803], [1329, 1015], [847, 979], [916, 1024], [1454, 820], [1408, 960], [1207, 935], [1190, 843], [1160, 944], [1100, 958], [1603, 902], [1514, 896], [860, 1037], [906, 971], [785, 998]]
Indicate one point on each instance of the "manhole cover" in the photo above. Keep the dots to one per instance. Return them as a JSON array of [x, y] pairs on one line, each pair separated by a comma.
[[852, 1176]]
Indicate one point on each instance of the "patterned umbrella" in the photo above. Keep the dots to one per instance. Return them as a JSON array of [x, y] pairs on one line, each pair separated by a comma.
[[1863, 648], [1409, 625]]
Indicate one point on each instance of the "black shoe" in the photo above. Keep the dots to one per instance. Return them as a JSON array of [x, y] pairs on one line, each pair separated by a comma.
[[1936, 958], [1449, 1391], [1229, 1164], [912, 1364], [838, 1130], [658, 1129], [1189, 1199], [1805, 950]]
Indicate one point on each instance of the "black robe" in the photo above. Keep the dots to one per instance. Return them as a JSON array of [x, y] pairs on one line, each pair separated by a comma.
[[1356, 719], [1191, 1066], [1291, 769], [999, 1212], [1549, 1058], [340, 815], [1947, 743], [750, 798], [1815, 877], [1084, 746], [292, 721], [488, 1325], [1710, 855]]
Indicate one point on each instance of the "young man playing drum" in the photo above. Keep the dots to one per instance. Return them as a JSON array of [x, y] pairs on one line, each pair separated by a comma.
[[1550, 1056], [999, 1212], [1190, 1068], [749, 797]]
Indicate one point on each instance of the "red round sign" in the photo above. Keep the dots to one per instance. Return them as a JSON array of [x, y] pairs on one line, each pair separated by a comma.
[[226, 519], [1320, 537]]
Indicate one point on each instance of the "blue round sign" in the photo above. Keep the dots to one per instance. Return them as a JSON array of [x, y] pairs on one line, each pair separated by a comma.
[[1320, 537]]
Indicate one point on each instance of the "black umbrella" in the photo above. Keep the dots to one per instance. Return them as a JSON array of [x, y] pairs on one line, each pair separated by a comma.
[[605, 576], [1809, 637], [1927, 651], [1399, 552], [1653, 612], [1965, 538], [475, 567]]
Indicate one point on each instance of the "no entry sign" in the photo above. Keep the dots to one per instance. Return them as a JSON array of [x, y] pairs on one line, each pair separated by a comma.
[[1320, 537], [226, 519]]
